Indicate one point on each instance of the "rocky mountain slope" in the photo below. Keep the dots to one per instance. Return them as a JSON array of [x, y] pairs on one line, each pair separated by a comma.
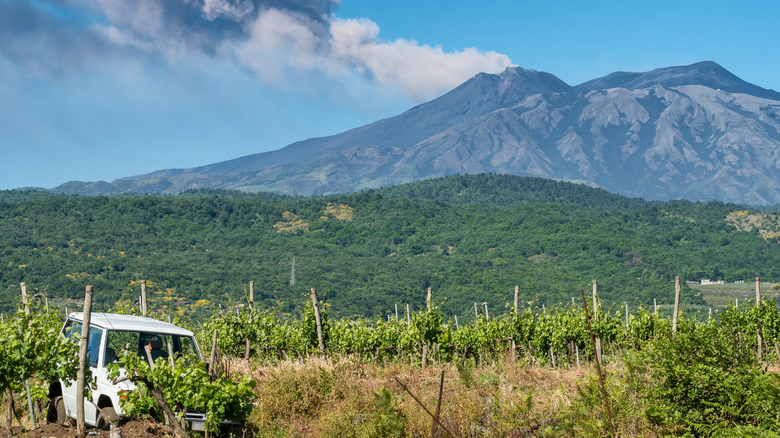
[[696, 132]]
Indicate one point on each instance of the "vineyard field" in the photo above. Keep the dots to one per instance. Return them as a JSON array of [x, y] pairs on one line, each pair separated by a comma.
[[721, 295], [529, 373]]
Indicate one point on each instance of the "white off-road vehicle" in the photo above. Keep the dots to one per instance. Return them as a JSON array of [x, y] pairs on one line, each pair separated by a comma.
[[110, 336]]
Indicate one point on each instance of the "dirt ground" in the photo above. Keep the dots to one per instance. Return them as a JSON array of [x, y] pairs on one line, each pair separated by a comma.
[[130, 428]]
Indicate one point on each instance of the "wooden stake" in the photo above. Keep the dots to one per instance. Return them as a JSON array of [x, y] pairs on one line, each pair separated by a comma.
[[248, 347], [596, 318], [213, 358], [87, 315], [435, 425], [758, 291], [760, 338], [408, 317], [24, 300], [552, 356], [292, 273], [598, 363], [517, 299], [320, 339], [428, 300], [26, 387], [676, 303], [170, 354], [626, 315], [143, 298], [577, 350], [148, 351]]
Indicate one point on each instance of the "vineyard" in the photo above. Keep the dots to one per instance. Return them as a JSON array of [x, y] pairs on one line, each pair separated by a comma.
[[318, 376]]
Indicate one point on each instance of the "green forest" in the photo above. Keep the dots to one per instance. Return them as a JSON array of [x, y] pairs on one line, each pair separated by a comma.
[[469, 238]]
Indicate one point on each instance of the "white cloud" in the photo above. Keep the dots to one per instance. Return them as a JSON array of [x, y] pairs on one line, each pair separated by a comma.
[[283, 44], [420, 70]]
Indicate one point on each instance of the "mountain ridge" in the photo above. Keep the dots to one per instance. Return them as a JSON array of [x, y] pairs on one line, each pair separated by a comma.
[[695, 132]]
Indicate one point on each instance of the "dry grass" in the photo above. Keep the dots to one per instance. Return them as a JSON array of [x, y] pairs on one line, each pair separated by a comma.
[[337, 397]]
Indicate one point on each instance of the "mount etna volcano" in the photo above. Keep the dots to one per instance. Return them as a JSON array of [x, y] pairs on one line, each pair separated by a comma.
[[694, 132]]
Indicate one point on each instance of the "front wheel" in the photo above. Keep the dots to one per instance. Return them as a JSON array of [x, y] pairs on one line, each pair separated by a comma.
[[56, 411], [106, 416]]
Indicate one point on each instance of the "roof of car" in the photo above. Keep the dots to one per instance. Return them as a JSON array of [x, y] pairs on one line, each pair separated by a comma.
[[115, 321]]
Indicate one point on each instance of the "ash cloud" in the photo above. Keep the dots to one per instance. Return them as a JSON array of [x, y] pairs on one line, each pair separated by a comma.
[[283, 42]]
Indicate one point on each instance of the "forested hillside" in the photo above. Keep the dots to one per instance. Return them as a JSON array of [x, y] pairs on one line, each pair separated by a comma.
[[502, 190], [368, 251]]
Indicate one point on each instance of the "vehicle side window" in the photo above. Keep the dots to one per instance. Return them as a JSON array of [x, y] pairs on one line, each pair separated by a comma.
[[187, 346], [93, 345], [119, 343], [72, 330]]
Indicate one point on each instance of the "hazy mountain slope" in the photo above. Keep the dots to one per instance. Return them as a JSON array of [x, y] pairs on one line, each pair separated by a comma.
[[479, 95]]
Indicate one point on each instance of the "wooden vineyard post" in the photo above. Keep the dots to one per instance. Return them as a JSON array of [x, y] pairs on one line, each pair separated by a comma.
[[598, 363], [436, 419], [317, 320], [429, 300], [27, 389], [676, 303], [87, 316], [24, 299], [248, 347], [596, 318], [143, 297], [515, 312], [26, 302], [758, 304], [408, 317], [626, 315], [213, 357], [292, 273]]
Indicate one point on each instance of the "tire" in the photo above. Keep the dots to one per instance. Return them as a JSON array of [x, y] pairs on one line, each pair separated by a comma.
[[106, 416], [56, 411]]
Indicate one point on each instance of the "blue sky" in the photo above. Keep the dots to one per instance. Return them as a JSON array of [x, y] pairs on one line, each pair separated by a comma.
[[102, 89]]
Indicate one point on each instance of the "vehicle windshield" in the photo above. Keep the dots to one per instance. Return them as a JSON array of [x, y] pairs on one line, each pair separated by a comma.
[[161, 345]]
